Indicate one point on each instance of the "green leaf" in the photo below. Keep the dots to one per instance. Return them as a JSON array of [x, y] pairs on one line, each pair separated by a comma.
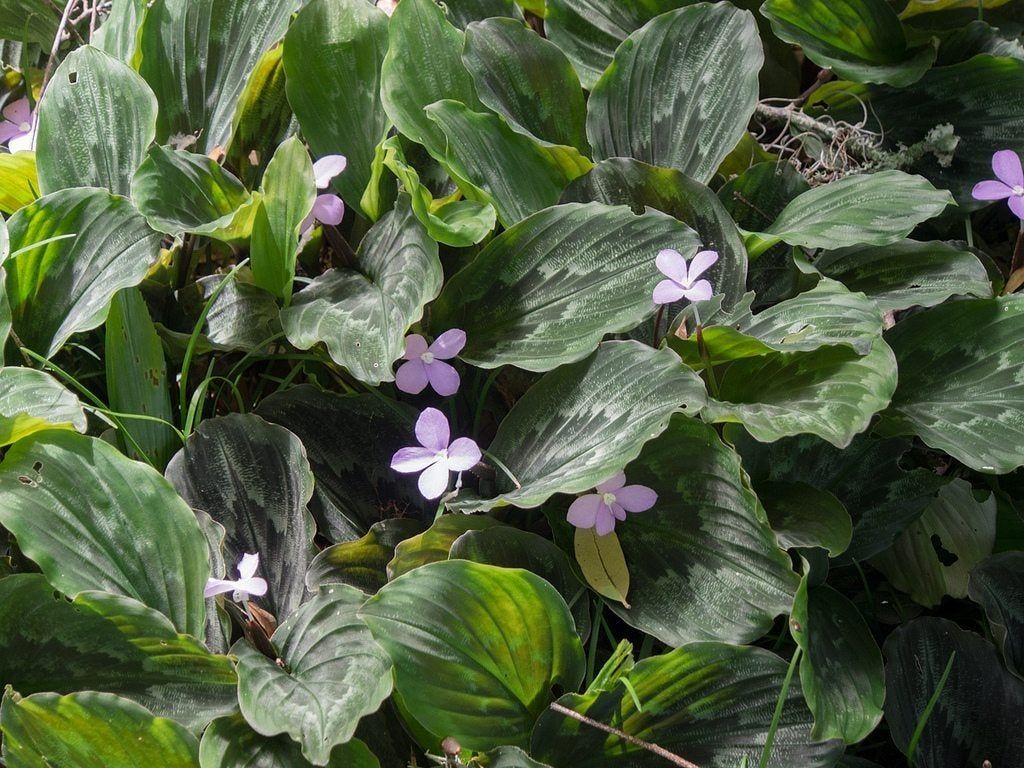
[[704, 563], [253, 478], [997, 584], [197, 58], [804, 516], [545, 292], [423, 65], [178, 192], [624, 181], [361, 313], [137, 377], [908, 273], [98, 244], [464, 12], [831, 392], [118, 33], [19, 185], [476, 649], [93, 519], [459, 223], [960, 391], [868, 208], [603, 564], [288, 194], [96, 121], [32, 401], [231, 743], [333, 675], [915, 7], [859, 40], [241, 317], [977, 714], [355, 486], [435, 543], [653, 102], [517, 174], [332, 56], [583, 422], [881, 496], [527, 80], [934, 556], [841, 668], [90, 729], [710, 703], [508, 757], [362, 563], [29, 21], [108, 643]]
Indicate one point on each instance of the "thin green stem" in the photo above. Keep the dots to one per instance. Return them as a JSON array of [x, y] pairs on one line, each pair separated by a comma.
[[927, 713], [595, 635], [780, 704], [482, 400]]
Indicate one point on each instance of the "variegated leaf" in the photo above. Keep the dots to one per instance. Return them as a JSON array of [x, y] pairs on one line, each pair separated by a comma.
[[997, 584], [31, 401]]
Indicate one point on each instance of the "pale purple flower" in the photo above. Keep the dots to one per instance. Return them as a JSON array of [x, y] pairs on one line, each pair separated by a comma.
[[611, 502], [388, 6], [434, 456], [683, 282], [247, 583], [18, 128], [1010, 183], [425, 365], [327, 208]]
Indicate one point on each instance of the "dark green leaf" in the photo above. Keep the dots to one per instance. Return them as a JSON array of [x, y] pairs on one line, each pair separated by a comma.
[[997, 584], [362, 563], [804, 516], [118, 33], [435, 543], [31, 21], [231, 743]]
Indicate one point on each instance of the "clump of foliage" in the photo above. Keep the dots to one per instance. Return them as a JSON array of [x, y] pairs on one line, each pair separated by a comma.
[[579, 383]]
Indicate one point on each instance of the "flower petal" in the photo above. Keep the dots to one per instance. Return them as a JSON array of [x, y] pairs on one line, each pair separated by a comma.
[[449, 344], [1006, 164], [414, 459], [248, 565], [618, 512], [326, 168], [256, 586], [432, 430], [443, 378], [434, 480], [613, 483], [671, 264], [23, 143], [668, 291], [636, 498], [701, 291], [700, 263], [463, 454], [412, 377], [605, 522], [8, 131], [415, 345], [583, 511], [990, 190], [218, 587], [18, 112], [329, 209], [1016, 203], [307, 224]]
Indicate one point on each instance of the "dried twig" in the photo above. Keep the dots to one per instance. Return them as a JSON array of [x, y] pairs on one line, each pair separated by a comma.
[[64, 19]]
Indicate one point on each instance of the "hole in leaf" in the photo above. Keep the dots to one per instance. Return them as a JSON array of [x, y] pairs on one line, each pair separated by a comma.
[[946, 557], [37, 467], [72, 77]]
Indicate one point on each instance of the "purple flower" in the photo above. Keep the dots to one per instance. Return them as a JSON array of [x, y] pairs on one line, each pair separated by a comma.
[[425, 365], [18, 128], [329, 208], [611, 502], [682, 283], [246, 584], [1010, 184], [434, 456]]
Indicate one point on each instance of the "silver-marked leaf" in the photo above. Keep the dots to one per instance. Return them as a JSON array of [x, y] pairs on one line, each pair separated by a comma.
[[934, 556], [198, 56], [583, 422], [868, 208], [231, 743], [960, 386], [179, 191], [831, 392], [333, 675], [527, 80], [241, 317], [516, 173], [545, 292], [710, 702], [704, 564], [96, 120], [253, 478], [997, 584], [90, 729], [104, 642], [332, 57], [908, 273], [29, 21], [804, 516], [92, 519], [118, 33], [680, 91], [98, 244], [477, 650], [31, 401], [362, 563], [361, 314]]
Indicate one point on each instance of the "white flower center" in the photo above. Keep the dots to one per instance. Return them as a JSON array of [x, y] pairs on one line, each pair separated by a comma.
[[608, 498], [427, 357], [25, 127], [1018, 191]]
